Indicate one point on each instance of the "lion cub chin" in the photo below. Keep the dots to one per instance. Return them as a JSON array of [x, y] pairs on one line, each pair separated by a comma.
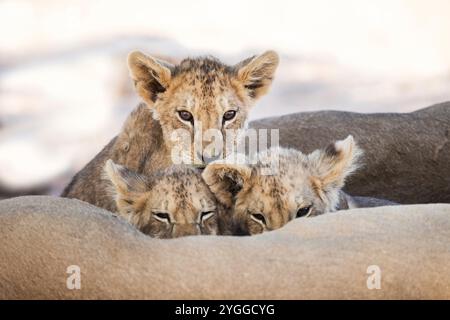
[[302, 186], [170, 203]]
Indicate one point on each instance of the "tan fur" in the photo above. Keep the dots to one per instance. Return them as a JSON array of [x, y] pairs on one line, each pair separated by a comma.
[[167, 204], [205, 87], [408, 151], [322, 258], [302, 181]]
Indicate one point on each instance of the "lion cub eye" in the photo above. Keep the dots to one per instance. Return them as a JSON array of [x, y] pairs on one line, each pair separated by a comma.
[[186, 116], [162, 216], [229, 115], [258, 217], [206, 215], [303, 211]]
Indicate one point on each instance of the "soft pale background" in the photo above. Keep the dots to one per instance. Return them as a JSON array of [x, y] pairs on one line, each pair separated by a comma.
[[64, 89]]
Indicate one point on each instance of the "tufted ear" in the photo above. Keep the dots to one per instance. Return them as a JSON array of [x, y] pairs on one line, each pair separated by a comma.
[[128, 188], [256, 73], [331, 166], [150, 75], [226, 180]]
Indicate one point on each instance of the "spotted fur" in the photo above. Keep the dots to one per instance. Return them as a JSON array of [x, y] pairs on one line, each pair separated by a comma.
[[303, 185], [204, 87], [169, 203]]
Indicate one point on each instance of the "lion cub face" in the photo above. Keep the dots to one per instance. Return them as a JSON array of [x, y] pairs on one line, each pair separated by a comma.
[[305, 185], [200, 97], [171, 203]]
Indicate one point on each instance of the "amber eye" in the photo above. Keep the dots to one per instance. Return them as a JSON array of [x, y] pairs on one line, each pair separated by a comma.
[[229, 115], [186, 116], [303, 211], [162, 216], [259, 218]]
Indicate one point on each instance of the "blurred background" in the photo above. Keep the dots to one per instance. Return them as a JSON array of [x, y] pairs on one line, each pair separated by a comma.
[[65, 90]]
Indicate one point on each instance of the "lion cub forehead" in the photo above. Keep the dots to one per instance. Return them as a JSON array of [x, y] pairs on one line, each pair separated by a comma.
[[287, 163], [182, 185], [200, 74], [190, 100], [179, 179], [202, 66]]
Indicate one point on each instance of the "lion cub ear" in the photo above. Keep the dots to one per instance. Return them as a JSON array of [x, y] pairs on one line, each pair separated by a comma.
[[150, 75], [226, 180], [331, 166], [256, 73], [128, 188]]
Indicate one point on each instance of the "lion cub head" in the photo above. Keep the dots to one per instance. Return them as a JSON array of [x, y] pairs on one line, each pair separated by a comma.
[[201, 97], [170, 203], [304, 185]]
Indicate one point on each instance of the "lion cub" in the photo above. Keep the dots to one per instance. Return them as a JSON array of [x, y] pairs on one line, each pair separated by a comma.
[[305, 185], [170, 203], [196, 96]]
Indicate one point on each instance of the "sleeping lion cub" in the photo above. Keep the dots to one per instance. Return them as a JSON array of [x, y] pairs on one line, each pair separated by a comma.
[[167, 204], [305, 185]]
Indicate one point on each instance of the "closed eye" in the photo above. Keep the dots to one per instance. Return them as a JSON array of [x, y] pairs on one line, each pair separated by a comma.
[[162, 216], [258, 217], [206, 215], [304, 211]]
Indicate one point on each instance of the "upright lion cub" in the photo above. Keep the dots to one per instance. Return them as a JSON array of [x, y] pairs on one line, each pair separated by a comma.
[[305, 185], [195, 96], [167, 204]]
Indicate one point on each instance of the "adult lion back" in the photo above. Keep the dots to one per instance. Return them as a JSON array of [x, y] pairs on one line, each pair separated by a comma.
[[332, 256], [407, 155]]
